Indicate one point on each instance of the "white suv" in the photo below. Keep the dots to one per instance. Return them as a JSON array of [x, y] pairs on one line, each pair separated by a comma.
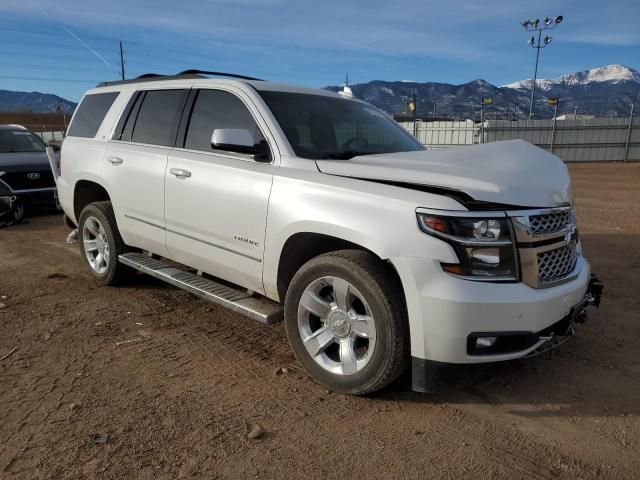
[[291, 203]]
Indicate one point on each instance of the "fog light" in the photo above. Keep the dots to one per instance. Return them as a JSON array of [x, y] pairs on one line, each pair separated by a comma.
[[486, 342]]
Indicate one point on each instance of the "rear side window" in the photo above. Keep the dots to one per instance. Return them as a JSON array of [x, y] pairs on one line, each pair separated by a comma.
[[217, 109], [90, 114], [157, 121]]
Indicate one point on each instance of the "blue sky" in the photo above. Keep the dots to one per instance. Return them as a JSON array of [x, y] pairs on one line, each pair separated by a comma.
[[67, 46]]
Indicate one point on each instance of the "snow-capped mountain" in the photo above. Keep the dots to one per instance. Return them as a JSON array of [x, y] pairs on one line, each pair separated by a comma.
[[603, 92], [611, 73]]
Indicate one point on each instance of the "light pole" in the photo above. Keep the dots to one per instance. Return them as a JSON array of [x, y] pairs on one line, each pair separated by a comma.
[[483, 101], [539, 26]]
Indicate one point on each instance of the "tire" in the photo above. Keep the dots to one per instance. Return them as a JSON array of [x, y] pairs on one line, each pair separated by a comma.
[[17, 211], [97, 224], [363, 337]]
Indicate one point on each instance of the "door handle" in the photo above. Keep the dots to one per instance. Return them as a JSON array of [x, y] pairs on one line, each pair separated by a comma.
[[115, 160], [180, 173]]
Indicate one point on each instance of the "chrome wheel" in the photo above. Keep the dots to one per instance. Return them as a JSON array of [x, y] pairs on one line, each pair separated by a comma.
[[336, 325], [95, 245]]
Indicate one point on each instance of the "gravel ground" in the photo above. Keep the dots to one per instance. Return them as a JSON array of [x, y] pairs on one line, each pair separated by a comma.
[[148, 382]]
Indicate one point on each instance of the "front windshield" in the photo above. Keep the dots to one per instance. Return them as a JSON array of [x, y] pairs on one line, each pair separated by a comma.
[[319, 126], [20, 141]]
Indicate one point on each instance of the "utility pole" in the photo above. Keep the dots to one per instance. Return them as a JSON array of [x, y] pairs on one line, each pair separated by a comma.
[[483, 101], [481, 119], [555, 102], [631, 115], [121, 61], [535, 26]]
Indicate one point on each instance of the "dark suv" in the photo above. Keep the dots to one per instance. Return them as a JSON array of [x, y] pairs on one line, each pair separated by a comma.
[[25, 174]]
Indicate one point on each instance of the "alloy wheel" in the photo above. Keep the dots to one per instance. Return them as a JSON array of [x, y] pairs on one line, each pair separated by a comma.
[[95, 245], [336, 325]]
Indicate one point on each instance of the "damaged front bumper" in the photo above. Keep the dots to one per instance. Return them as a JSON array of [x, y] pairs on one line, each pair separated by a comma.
[[6, 204], [560, 332], [428, 375]]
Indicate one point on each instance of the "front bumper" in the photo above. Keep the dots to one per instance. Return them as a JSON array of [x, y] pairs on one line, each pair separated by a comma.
[[42, 197], [444, 310], [427, 376]]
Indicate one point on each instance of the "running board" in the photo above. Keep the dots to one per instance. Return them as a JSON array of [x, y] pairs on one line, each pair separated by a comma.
[[260, 309]]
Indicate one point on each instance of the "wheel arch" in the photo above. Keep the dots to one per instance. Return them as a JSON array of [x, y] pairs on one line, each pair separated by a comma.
[[301, 247], [86, 192]]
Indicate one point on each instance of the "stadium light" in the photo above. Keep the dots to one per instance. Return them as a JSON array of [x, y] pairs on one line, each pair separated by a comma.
[[534, 26]]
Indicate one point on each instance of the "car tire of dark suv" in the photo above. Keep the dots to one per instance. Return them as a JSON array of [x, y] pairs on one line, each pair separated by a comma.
[[101, 244], [346, 322]]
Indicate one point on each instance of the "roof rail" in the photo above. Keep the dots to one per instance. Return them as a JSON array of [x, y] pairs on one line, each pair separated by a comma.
[[153, 77], [219, 74]]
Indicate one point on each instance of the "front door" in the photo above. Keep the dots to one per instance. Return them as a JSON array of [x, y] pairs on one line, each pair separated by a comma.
[[216, 202]]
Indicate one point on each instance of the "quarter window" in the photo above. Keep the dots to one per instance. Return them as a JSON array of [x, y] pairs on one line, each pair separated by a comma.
[[90, 114], [217, 109], [158, 118]]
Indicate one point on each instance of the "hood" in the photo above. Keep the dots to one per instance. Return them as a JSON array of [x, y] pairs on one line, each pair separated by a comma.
[[18, 161], [513, 172]]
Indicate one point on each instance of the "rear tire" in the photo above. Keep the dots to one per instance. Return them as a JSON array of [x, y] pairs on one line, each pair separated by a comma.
[[101, 244], [346, 323]]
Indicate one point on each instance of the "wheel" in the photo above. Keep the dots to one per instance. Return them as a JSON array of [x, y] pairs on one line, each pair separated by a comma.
[[346, 322], [17, 211], [100, 244]]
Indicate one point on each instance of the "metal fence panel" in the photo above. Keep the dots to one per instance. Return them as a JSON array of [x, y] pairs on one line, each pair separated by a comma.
[[595, 140]]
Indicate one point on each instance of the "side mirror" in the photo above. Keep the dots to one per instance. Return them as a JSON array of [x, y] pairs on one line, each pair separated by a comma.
[[239, 141]]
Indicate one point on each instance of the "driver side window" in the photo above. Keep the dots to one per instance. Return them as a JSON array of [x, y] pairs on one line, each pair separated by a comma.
[[214, 109]]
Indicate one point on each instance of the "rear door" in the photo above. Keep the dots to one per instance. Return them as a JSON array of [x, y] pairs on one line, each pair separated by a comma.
[[135, 165], [216, 201]]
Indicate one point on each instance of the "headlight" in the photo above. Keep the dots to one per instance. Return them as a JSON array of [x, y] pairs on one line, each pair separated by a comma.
[[484, 245]]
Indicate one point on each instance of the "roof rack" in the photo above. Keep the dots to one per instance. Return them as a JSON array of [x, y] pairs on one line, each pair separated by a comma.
[[219, 74], [185, 74]]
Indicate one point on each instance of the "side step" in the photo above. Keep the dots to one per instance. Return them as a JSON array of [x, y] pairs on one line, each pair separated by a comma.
[[260, 309]]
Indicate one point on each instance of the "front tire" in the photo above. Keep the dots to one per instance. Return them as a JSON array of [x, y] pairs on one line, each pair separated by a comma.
[[17, 211], [100, 244], [346, 323]]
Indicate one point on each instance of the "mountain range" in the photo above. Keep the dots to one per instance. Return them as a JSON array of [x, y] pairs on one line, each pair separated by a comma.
[[604, 92], [36, 102]]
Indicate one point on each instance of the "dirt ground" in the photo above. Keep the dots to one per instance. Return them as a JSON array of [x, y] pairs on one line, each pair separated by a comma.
[[172, 384]]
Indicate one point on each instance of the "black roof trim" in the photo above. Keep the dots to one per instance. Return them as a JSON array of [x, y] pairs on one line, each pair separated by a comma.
[[186, 74], [219, 74]]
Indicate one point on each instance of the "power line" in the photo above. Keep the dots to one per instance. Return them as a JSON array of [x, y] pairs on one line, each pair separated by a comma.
[[53, 34], [59, 68], [43, 79]]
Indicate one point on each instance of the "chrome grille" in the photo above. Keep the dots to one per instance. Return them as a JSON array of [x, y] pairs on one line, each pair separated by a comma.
[[553, 222], [556, 264]]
